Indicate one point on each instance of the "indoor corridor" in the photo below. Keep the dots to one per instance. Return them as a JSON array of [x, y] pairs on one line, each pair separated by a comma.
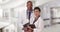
[[10, 12]]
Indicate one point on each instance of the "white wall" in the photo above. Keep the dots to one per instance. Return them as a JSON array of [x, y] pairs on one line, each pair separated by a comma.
[[41, 2], [46, 11], [46, 8], [15, 3], [1, 10]]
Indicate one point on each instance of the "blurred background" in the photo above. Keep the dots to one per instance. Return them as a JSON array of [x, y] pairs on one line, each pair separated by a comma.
[[10, 11]]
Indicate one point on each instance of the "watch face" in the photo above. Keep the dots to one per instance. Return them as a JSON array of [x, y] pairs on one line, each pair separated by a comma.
[[4, 1]]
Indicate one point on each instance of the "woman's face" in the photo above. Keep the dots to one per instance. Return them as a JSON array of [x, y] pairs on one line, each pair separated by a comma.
[[37, 12]]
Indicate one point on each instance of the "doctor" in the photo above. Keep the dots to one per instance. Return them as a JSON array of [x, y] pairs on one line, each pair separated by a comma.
[[37, 20], [25, 16]]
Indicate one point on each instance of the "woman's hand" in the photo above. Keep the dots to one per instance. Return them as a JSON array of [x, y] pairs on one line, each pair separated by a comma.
[[29, 28]]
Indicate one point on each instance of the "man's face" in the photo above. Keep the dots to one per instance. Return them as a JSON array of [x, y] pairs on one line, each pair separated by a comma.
[[29, 5], [37, 12]]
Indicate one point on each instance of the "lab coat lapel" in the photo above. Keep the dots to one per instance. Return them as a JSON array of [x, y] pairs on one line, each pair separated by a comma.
[[37, 22], [32, 16]]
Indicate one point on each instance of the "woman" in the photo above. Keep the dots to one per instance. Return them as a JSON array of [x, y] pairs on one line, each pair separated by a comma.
[[37, 20]]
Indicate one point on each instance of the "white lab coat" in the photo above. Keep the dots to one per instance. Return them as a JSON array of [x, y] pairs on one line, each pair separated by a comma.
[[39, 24], [23, 19]]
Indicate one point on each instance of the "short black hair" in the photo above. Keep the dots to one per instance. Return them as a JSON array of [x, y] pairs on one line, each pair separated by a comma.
[[29, 2], [37, 8]]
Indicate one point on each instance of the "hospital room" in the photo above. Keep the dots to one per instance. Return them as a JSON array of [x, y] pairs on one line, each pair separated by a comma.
[[12, 15]]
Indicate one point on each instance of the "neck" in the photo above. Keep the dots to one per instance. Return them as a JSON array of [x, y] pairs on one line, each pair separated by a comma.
[[30, 9]]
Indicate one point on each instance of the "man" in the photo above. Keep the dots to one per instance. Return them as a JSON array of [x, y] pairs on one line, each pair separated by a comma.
[[26, 15], [38, 21]]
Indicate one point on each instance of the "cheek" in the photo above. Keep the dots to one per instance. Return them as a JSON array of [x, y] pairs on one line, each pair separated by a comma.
[[29, 5], [37, 13]]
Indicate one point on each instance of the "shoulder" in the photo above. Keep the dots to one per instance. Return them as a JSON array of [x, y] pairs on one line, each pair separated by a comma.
[[40, 19]]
